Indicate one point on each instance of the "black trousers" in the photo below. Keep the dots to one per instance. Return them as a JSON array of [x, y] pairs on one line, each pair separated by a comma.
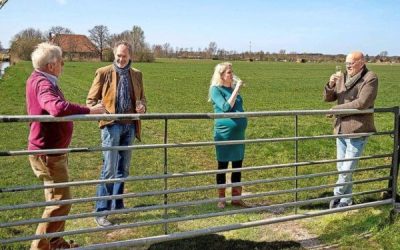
[[235, 176]]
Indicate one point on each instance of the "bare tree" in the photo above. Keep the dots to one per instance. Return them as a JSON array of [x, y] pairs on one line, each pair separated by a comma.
[[60, 30], [212, 49], [141, 50], [99, 36], [167, 49], [125, 36], [158, 50], [138, 39], [24, 42], [384, 54], [1, 46], [164, 50]]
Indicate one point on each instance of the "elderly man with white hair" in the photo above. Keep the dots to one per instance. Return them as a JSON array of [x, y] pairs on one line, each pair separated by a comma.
[[44, 97]]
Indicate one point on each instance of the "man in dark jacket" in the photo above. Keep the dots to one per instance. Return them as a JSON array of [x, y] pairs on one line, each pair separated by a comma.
[[357, 88]]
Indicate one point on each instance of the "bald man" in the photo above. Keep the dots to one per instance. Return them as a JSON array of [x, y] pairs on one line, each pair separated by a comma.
[[354, 89]]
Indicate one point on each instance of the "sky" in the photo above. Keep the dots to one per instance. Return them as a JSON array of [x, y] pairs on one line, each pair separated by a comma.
[[302, 26]]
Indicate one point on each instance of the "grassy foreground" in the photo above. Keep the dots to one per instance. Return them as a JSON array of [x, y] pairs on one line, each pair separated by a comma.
[[174, 86]]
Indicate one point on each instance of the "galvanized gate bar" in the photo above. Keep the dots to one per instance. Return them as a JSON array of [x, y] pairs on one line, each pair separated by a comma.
[[180, 145], [181, 190], [263, 208], [174, 116], [156, 207], [186, 174], [207, 231], [165, 217]]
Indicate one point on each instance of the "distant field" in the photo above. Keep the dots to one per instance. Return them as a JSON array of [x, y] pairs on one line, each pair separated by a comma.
[[181, 86]]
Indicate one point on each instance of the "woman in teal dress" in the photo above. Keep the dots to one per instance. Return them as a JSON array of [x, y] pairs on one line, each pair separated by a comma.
[[224, 95]]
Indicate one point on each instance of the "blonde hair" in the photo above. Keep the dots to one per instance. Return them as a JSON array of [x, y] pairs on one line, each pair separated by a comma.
[[44, 54], [216, 79]]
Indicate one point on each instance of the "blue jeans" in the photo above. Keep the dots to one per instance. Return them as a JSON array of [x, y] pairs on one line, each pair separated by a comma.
[[115, 164], [347, 148]]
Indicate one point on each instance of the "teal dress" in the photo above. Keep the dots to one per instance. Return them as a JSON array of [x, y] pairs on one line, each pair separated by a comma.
[[228, 128]]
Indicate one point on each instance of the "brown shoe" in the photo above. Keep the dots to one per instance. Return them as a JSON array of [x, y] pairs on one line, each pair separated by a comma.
[[237, 191], [60, 243], [240, 203], [221, 194]]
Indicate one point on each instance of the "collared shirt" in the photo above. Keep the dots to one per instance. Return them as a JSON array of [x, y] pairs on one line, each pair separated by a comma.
[[50, 77], [43, 98]]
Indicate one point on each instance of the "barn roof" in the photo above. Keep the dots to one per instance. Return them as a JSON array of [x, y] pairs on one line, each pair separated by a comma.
[[74, 43]]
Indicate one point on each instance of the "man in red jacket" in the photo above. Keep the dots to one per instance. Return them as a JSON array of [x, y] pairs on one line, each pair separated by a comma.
[[44, 97]]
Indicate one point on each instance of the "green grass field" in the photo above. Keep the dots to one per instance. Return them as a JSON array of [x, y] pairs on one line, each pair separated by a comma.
[[181, 86]]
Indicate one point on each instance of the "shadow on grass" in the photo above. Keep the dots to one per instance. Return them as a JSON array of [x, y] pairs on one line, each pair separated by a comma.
[[325, 205], [318, 205], [218, 242]]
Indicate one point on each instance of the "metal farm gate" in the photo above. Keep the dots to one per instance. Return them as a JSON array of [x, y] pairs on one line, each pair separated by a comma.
[[168, 202]]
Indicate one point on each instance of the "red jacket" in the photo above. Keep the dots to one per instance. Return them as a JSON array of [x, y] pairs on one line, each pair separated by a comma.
[[43, 98]]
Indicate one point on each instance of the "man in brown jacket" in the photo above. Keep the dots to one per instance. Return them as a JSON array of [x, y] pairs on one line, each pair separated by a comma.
[[120, 88], [355, 89]]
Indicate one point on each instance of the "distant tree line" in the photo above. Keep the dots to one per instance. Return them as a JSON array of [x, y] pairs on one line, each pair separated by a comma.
[[23, 43], [213, 52]]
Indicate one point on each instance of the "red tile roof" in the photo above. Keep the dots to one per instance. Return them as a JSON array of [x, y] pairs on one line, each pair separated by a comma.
[[74, 43]]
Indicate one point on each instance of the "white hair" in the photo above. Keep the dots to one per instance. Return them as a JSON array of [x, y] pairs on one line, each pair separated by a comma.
[[44, 54], [216, 79]]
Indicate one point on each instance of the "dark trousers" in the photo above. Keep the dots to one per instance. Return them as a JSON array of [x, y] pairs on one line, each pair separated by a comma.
[[235, 176]]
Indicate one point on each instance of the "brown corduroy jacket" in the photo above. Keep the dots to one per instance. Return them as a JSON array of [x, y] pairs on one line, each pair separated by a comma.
[[361, 95], [104, 89]]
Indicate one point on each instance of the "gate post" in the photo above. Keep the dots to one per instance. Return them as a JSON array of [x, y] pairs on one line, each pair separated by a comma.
[[165, 172], [296, 158], [395, 166]]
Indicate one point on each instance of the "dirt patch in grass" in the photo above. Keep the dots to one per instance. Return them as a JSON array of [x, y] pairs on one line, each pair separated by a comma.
[[295, 231], [219, 242]]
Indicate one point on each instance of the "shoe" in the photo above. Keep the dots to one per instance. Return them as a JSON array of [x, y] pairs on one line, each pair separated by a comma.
[[240, 203], [221, 194], [386, 195], [237, 191], [221, 204], [102, 221], [334, 203], [343, 204], [60, 243], [389, 195]]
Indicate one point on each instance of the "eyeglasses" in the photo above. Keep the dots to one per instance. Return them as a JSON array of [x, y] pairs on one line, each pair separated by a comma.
[[351, 63], [58, 61]]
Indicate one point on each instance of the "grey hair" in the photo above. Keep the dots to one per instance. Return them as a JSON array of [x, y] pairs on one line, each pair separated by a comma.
[[44, 54], [216, 79], [125, 43]]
